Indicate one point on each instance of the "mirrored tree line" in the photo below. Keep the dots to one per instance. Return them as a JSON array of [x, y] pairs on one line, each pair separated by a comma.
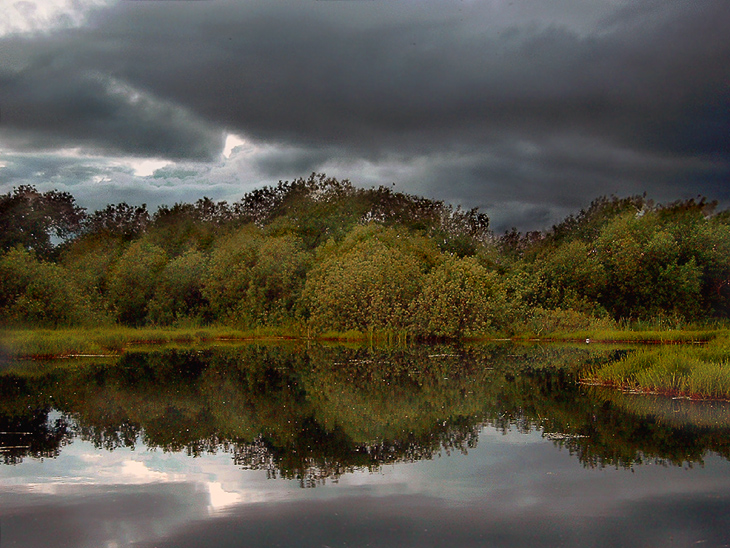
[[316, 413]]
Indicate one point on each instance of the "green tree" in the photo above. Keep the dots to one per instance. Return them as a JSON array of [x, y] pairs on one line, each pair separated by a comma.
[[133, 281], [88, 261], [571, 277], [179, 290], [460, 297], [645, 276], [121, 220], [230, 272], [38, 293], [277, 279], [369, 280], [33, 219]]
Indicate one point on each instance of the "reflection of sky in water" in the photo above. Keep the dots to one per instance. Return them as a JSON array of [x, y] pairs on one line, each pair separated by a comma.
[[511, 490]]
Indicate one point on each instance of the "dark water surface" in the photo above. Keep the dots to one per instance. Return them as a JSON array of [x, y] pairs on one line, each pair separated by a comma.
[[312, 446]]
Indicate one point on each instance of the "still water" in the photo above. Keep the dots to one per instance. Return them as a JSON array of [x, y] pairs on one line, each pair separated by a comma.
[[287, 445]]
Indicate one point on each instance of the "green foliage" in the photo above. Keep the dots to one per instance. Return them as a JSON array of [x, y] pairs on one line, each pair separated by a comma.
[[570, 276], [133, 280], [34, 292], [645, 276], [182, 227], [255, 279], [30, 219], [118, 220], [460, 297], [88, 262], [229, 275], [368, 281], [350, 258], [277, 280], [178, 292]]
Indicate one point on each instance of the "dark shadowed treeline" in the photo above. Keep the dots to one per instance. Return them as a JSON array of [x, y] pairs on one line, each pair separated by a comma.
[[323, 255]]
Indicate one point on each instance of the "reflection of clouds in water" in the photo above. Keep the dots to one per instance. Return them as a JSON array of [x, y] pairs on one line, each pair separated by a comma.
[[169, 499], [135, 471], [220, 498]]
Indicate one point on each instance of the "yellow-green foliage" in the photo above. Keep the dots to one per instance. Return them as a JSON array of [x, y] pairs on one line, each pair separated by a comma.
[[460, 297], [178, 292], [694, 371], [34, 292], [132, 281], [255, 279], [369, 280]]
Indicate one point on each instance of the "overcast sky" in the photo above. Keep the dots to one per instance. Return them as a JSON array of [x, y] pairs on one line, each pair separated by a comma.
[[527, 109]]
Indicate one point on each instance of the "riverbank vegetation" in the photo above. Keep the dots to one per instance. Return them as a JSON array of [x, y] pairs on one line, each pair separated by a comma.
[[699, 372], [318, 257]]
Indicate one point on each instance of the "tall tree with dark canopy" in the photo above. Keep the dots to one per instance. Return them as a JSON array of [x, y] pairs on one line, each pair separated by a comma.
[[33, 219]]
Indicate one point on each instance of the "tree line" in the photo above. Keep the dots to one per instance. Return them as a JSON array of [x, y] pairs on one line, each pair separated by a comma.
[[322, 254]]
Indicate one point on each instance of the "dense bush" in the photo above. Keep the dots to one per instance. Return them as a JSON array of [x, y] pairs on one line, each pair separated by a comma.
[[34, 292], [369, 280], [323, 253]]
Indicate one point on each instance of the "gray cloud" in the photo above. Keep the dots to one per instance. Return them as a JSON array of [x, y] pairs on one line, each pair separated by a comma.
[[481, 103]]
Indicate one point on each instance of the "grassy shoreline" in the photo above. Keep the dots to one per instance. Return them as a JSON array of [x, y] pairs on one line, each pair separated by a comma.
[[692, 363], [104, 341], [696, 372], [113, 340]]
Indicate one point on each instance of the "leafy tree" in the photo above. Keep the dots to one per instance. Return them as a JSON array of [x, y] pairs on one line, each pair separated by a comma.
[[184, 226], [121, 219], [704, 238], [34, 292], [571, 276], [369, 280], [460, 297], [230, 272], [645, 276], [88, 262], [133, 280], [277, 279], [179, 290], [33, 219], [588, 224]]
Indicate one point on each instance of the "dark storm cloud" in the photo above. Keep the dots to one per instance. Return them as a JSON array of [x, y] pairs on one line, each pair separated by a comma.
[[494, 103], [52, 101], [301, 73]]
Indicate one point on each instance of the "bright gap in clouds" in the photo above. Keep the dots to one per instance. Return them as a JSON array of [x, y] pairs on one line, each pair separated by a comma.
[[232, 141], [146, 167], [22, 16]]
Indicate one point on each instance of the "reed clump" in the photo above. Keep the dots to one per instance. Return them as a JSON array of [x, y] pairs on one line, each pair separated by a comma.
[[694, 371]]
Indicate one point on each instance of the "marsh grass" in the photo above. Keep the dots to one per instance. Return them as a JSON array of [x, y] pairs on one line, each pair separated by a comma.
[[57, 343], [690, 370], [669, 336]]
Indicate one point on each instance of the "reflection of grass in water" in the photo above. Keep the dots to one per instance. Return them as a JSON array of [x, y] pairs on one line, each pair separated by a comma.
[[675, 412], [696, 371]]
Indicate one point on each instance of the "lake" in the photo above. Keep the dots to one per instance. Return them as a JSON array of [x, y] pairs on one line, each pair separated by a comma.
[[330, 446]]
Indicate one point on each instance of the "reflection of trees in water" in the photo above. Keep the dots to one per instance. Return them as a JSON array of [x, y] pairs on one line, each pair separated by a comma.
[[329, 455], [598, 430], [317, 413], [32, 435]]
